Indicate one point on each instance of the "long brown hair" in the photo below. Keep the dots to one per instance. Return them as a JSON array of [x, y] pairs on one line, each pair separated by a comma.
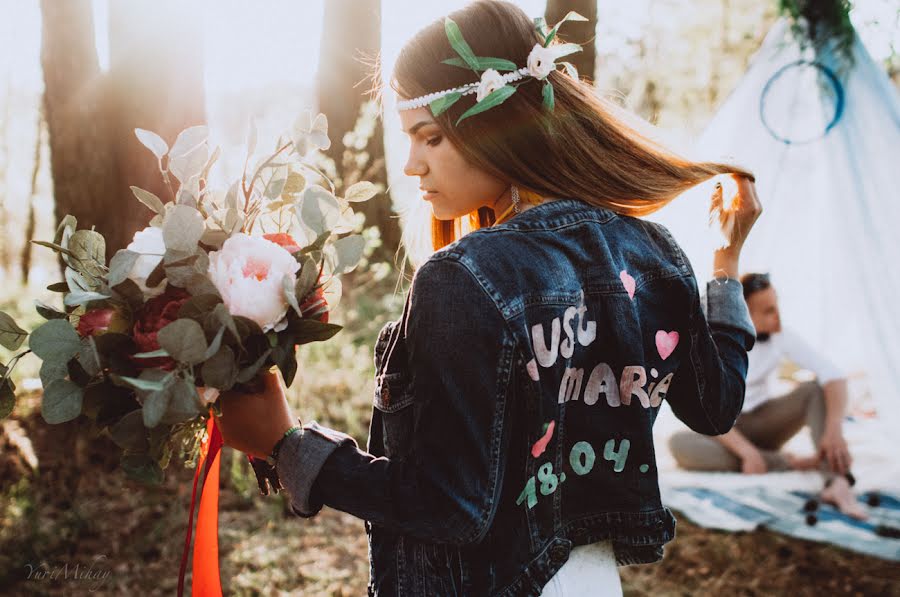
[[581, 149]]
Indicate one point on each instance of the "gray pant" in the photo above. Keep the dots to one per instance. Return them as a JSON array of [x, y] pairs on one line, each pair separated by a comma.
[[768, 427]]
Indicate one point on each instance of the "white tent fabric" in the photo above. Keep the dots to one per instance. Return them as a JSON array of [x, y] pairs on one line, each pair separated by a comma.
[[829, 231]]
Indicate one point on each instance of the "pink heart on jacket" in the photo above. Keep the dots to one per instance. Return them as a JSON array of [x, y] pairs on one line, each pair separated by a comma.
[[627, 282], [666, 343]]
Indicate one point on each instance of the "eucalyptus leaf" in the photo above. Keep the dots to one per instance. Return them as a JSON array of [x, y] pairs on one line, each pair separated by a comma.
[[7, 398], [309, 275], [290, 295], [149, 199], [61, 402], [120, 266], [147, 385], [188, 140], [215, 344], [153, 142], [182, 228], [276, 184], [155, 405], [76, 281], [184, 404], [220, 371], [495, 98], [82, 297], [319, 132], [67, 225], [129, 432], [319, 210], [309, 330], [55, 340], [198, 306], [247, 373], [189, 165], [53, 370], [54, 246], [152, 354], [361, 191], [141, 467], [349, 250], [294, 184], [184, 340], [11, 335], [89, 249], [88, 357], [45, 311], [459, 44]]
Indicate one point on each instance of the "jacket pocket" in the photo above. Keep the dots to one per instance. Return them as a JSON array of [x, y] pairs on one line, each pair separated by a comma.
[[394, 401]]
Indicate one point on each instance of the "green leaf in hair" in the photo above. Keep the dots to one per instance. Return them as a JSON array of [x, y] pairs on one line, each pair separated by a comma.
[[571, 16], [547, 92], [459, 44], [498, 64], [495, 98], [441, 104]]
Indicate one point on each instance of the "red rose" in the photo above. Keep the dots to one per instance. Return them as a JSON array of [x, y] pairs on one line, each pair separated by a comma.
[[99, 321], [94, 322], [156, 314], [315, 302], [284, 240]]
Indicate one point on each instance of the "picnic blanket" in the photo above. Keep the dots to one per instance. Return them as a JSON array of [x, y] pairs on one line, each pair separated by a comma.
[[775, 501], [773, 508]]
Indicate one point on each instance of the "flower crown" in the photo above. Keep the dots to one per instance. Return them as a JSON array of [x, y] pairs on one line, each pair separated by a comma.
[[494, 88]]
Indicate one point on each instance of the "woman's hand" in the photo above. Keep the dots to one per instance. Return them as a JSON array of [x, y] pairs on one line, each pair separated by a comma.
[[736, 216], [253, 423]]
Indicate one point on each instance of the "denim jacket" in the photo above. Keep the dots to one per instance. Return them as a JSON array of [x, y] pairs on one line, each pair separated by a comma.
[[515, 400]]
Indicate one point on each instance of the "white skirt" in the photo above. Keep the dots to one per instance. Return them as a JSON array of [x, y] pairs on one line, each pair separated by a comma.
[[590, 570]]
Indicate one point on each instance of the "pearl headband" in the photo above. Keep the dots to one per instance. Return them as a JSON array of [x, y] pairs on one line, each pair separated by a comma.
[[494, 88]]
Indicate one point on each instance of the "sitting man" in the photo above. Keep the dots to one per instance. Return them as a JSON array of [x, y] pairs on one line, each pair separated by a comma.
[[768, 421]]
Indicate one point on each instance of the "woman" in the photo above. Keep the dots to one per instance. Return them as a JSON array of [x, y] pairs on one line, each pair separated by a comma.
[[511, 451]]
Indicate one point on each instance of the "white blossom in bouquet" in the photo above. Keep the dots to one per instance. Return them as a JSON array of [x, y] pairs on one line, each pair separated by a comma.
[[491, 80], [248, 273], [148, 243]]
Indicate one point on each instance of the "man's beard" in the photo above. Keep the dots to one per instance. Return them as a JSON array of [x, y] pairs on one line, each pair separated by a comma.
[[763, 337]]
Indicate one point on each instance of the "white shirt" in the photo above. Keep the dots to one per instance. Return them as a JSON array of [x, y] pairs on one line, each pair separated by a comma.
[[590, 570], [766, 357]]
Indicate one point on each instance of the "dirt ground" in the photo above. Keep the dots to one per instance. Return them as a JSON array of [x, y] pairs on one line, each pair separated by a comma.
[[126, 539]]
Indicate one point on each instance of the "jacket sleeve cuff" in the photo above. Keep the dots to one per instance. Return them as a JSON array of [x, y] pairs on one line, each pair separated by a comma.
[[302, 456], [723, 304]]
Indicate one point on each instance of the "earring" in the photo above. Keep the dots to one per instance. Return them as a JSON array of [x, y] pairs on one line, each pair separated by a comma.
[[515, 198]]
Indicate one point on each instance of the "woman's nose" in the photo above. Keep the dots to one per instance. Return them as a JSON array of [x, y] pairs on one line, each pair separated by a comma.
[[414, 165]]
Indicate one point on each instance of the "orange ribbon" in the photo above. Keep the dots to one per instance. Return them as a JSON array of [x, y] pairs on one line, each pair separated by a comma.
[[206, 581]]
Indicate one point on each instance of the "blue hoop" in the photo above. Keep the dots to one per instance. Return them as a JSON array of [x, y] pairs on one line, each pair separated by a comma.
[[835, 84]]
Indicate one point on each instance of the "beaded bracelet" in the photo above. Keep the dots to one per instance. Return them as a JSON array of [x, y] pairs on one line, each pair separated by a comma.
[[273, 457]]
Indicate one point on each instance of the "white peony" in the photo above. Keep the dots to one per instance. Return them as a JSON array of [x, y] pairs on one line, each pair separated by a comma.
[[491, 81], [248, 273], [149, 243], [541, 61]]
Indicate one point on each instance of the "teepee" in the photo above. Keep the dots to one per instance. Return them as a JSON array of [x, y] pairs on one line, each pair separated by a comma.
[[823, 139]]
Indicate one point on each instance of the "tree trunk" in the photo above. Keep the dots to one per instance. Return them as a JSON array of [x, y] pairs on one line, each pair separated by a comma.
[[77, 108], [155, 82], [577, 32], [351, 36]]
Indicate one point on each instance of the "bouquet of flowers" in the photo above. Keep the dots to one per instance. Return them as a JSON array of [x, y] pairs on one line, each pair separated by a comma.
[[222, 285]]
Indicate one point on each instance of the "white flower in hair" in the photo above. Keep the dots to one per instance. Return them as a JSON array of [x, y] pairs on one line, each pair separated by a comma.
[[491, 80], [541, 61]]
